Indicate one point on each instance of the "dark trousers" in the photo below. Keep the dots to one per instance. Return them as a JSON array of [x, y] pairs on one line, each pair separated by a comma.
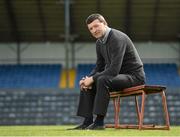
[[96, 100]]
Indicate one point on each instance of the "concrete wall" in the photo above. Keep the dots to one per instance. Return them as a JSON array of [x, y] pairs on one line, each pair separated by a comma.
[[85, 52]]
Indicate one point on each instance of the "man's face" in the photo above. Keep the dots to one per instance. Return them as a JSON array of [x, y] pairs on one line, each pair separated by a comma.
[[97, 28]]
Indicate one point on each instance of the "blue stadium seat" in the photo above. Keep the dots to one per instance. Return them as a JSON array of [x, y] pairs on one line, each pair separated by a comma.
[[30, 76], [156, 74], [162, 74]]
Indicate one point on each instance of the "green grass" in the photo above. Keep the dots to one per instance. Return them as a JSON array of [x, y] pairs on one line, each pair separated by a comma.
[[62, 131]]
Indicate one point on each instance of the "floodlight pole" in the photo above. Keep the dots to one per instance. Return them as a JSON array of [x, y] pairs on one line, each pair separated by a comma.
[[67, 37]]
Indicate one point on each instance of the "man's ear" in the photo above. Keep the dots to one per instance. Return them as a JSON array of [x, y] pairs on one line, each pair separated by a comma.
[[105, 23]]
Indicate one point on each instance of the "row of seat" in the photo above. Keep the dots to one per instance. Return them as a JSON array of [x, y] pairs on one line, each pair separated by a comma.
[[30, 76], [161, 74], [49, 75], [54, 107]]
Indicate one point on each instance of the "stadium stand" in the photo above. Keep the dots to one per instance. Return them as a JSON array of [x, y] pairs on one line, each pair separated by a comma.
[[45, 107], [157, 74], [52, 75], [162, 74], [29, 76], [72, 76], [38, 94], [23, 103]]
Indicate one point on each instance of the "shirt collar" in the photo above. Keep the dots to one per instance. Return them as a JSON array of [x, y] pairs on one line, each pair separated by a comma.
[[104, 38]]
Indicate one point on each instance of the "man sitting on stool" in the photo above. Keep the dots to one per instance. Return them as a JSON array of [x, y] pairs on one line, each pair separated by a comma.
[[118, 66]]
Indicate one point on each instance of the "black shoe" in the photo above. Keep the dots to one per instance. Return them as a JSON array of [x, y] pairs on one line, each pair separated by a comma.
[[80, 127], [95, 126]]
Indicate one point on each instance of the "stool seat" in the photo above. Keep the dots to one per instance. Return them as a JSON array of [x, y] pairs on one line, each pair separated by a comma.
[[142, 91], [148, 89]]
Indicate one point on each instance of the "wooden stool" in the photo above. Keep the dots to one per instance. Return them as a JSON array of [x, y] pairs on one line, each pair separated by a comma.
[[143, 91]]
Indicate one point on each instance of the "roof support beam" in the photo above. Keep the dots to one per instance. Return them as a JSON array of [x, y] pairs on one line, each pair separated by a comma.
[[42, 19], [127, 23], [98, 7], [14, 27], [155, 19]]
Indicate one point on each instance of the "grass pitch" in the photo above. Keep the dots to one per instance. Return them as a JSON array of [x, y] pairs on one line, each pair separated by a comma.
[[62, 131]]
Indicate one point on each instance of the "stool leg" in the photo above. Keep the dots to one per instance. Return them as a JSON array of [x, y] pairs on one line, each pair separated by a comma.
[[142, 110], [117, 111], [115, 114], [114, 103], [165, 109], [116, 118], [137, 109]]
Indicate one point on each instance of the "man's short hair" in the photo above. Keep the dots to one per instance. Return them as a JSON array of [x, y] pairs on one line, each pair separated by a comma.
[[95, 16]]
